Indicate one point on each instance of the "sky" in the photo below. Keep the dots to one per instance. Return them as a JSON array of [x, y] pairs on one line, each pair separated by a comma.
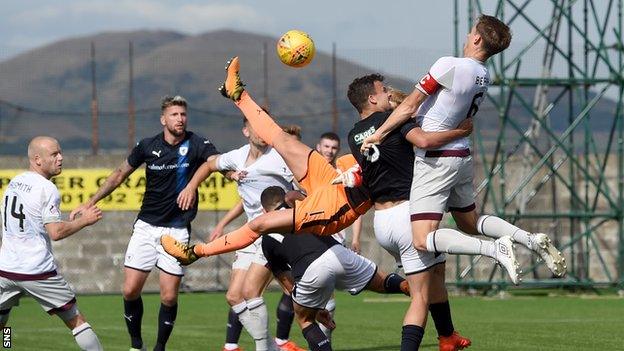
[[364, 31], [374, 33], [29, 23]]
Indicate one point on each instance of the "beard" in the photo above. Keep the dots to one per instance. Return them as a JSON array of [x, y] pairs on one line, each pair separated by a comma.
[[175, 132]]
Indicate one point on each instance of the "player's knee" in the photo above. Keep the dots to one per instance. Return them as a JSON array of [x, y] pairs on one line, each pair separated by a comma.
[[420, 242], [169, 298], [304, 315], [71, 317], [419, 297], [467, 222], [468, 228], [234, 297], [130, 293]]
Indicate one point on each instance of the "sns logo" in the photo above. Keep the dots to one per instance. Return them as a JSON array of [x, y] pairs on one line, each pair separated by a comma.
[[425, 79], [6, 337]]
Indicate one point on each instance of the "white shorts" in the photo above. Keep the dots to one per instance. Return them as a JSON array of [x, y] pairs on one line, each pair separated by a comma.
[[53, 294], [441, 184], [338, 267], [248, 255], [394, 233], [144, 249]]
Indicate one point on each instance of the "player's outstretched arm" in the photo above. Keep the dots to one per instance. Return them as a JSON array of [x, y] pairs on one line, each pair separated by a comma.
[[433, 140], [400, 115], [112, 182], [186, 198], [231, 215], [61, 230]]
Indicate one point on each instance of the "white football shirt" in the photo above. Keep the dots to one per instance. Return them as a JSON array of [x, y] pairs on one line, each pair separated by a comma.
[[268, 170], [456, 86], [30, 202]]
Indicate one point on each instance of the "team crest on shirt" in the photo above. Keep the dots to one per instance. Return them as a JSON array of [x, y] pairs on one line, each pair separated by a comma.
[[54, 210], [183, 150]]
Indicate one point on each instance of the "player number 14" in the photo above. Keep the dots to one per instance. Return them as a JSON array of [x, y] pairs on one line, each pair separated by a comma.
[[17, 215]]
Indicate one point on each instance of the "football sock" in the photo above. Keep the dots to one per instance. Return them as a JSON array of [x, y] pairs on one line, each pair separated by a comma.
[[317, 341], [86, 339], [240, 310], [441, 315], [233, 329], [258, 323], [255, 318], [455, 242], [495, 227], [411, 336], [331, 307], [393, 284], [133, 314], [260, 121], [166, 320], [285, 315], [232, 241]]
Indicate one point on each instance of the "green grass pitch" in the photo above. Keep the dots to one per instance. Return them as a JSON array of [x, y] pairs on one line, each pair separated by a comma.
[[365, 322]]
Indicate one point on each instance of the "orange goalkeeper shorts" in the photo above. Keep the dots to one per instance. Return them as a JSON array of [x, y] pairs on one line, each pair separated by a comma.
[[325, 211]]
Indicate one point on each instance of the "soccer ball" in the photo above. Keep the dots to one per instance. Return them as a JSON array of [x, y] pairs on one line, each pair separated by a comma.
[[295, 48]]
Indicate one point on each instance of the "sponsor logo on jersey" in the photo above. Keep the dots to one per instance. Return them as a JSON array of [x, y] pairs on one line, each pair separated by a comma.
[[359, 138], [54, 210]]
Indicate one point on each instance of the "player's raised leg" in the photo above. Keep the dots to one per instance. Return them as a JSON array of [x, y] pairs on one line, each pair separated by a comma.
[[294, 152], [428, 238], [273, 222], [539, 243]]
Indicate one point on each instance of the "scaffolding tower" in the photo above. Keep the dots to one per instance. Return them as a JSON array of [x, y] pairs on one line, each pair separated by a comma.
[[550, 167]]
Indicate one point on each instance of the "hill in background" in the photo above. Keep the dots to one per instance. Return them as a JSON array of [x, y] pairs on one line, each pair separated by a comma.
[[48, 90]]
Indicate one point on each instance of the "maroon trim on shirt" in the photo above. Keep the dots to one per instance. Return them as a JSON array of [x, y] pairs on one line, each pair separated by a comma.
[[448, 153], [27, 277]]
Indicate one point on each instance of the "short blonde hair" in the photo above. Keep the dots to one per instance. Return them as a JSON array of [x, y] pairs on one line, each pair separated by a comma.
[[396, 96], [168, 101]]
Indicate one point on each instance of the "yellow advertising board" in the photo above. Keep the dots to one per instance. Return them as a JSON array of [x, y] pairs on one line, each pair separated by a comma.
[[78, 185]]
